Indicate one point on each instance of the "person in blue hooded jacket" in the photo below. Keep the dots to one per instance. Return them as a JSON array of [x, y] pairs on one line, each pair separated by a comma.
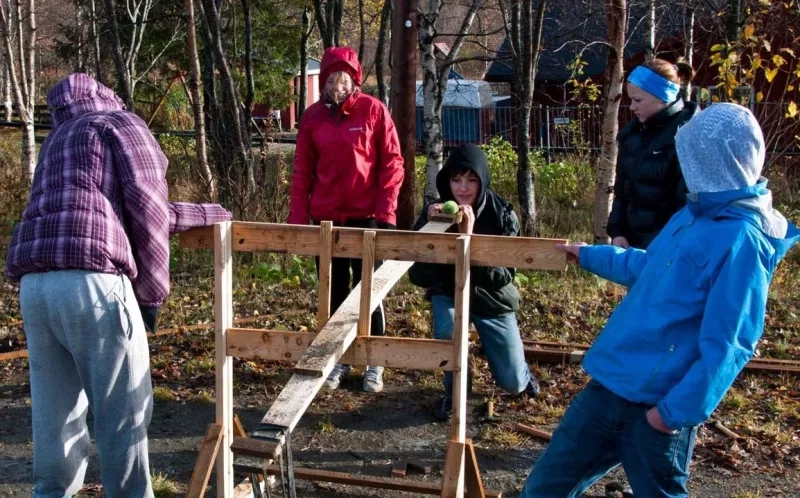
[[693, 314]]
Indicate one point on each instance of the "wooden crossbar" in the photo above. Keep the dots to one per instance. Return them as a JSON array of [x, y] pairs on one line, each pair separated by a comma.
[[429, 247]]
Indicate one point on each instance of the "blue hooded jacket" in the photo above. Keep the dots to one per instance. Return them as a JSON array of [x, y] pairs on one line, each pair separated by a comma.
[[697, 297]]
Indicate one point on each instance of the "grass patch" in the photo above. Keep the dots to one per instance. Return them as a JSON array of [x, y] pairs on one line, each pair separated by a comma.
[[503, 435], [161, 394], [164, 487]]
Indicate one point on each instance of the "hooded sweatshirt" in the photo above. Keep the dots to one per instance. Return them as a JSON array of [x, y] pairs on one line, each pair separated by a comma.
[[99, 195], [492, 288], [348, 164], [695, 308]]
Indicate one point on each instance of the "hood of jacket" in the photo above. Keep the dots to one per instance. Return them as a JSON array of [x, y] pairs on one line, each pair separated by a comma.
[[466, 157], [79, 94]]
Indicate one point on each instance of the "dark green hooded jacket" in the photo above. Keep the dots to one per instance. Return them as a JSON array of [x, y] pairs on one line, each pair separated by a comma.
[[492, 288], [649, 187]]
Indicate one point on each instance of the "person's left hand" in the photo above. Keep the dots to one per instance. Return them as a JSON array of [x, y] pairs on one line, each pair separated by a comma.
[[467, 219], [654, 419], [573, 250]]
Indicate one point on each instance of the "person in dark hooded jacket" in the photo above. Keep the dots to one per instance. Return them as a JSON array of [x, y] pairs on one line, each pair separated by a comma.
[[494, 299], [348, 169], [649, 187]]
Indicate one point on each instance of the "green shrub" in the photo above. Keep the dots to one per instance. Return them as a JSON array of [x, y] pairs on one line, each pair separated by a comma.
[[565, 182]]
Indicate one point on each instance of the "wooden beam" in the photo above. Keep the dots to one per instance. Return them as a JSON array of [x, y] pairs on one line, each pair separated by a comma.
[[472, 473], [223, 311], [461, 341], [392, 352], [205, 462], [258, 448], [453, 472], [324, 288], [429, 245], [305, 474], [367, 270], [533, 431]]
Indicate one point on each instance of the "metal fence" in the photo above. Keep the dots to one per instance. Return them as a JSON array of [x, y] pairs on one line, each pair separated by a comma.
[[569, 129]]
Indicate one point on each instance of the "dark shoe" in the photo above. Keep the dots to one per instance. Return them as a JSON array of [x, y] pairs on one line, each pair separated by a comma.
[[443, 408], [532, 390]]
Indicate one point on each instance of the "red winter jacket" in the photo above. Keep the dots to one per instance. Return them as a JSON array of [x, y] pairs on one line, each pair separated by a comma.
[[347, 164]]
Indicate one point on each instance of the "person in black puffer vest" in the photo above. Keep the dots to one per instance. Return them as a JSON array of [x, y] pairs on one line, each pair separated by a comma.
[[649, 187], [494, 299]]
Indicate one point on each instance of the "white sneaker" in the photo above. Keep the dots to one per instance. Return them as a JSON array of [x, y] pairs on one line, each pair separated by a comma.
[[336, 376], [373, 379]]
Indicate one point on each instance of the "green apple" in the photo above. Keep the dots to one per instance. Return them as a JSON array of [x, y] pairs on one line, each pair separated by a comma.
[[450, 207]]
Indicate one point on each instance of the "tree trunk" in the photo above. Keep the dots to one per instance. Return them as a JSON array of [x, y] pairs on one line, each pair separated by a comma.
[[123, 76], [8, 107], [432, 140], [338, 15], [247, 111], [732, 20], [362, 31], [380, 51], [98, 68], [308, 28], [526, 31], [688, 17], [650, 30], [404, 47], [197, 102], [615, 28], [80, 62]]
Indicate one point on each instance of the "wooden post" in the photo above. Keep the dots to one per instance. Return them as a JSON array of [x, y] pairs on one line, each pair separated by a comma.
[[461, 341], [325, 251], [223, 310], [367, 269]]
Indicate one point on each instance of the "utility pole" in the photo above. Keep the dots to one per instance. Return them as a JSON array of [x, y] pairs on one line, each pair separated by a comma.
[[404, 101]]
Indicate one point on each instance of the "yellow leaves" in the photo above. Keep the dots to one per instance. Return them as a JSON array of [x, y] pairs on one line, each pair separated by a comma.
[[791, 110], [778, 60], [789, 88], [718, 47], [749, 31], [759, 96], [770, 73], [787, 50]]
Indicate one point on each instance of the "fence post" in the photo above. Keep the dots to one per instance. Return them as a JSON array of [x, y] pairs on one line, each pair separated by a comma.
[[547, 119]]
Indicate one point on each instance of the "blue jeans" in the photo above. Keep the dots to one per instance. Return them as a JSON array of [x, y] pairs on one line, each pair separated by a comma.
[[599, 431], [500, 339], [87, 351]]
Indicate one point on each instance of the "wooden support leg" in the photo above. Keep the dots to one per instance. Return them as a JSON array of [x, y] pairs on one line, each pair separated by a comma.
[[453, 475], [472, 477], [223, 311], [324, 291], [205, 462]]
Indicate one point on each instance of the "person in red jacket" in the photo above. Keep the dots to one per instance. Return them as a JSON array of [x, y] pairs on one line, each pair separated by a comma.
[[348, 168]]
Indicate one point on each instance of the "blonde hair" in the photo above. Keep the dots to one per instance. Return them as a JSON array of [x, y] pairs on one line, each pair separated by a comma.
[[681, 72]]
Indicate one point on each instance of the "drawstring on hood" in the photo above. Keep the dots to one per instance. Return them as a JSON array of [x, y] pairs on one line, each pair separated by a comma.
[[79, 94], [721, 153], [466, 157], [337, 59]]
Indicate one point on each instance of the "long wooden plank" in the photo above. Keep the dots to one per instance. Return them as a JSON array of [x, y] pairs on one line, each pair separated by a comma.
[[332, 341], [388, 483], [425, 245], [392, 352], [223, 311], [205, 462]]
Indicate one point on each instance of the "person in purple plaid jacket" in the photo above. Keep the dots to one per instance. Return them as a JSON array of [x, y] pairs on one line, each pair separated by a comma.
[[92, 253]]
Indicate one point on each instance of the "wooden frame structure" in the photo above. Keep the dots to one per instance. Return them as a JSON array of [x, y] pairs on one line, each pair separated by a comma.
[[345, 337]]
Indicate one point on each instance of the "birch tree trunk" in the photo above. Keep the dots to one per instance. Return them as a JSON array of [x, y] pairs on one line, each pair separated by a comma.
[[524, 31], [251, 91], [434, 86], [8, 108], [650, 30], [197, 102], [98, 68], [22, 72], [80, 27], [362, 30], [688, 18], [380, 51], [606, 165]]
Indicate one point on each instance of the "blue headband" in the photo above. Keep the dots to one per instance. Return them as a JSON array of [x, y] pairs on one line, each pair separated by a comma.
[[654, 84]]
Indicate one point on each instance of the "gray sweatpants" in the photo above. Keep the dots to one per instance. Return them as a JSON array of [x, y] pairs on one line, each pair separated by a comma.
[[87, 350]]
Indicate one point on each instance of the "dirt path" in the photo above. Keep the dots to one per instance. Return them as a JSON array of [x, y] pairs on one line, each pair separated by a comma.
[[346, 431]]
